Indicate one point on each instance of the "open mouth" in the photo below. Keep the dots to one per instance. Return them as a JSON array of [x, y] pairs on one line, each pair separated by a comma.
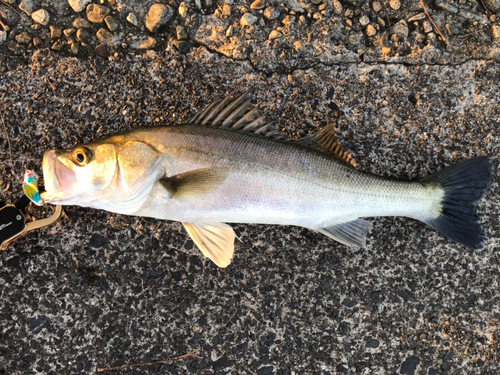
[[58, 178]]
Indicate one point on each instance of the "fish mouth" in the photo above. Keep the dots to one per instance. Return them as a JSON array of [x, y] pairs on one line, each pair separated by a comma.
[[58, 178]]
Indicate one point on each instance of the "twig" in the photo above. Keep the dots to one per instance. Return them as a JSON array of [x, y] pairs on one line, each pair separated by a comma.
[[190, 354], [8, 142], [50, 83], [448, 45]]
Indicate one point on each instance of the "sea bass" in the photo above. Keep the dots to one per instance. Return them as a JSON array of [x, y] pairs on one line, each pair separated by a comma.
[[225, 165]]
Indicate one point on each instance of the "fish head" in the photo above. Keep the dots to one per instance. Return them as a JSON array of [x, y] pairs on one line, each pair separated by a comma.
[[80, 174]]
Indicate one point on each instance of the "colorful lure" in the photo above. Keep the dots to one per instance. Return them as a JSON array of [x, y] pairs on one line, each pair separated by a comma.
[[30, 187]]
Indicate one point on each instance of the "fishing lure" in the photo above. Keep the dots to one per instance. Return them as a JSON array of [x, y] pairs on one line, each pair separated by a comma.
[[30, 187]]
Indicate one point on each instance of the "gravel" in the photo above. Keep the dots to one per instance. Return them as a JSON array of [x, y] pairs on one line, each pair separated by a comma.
[[100, 290]]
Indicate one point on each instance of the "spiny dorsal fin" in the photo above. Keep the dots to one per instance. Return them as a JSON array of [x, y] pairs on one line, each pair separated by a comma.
[[236, 112], [326, 141]]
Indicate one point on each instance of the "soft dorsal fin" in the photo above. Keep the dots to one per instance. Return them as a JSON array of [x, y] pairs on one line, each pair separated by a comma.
[[236, 112], [326, 141]]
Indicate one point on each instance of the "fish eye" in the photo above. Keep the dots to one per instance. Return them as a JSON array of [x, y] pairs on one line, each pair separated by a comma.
[[82, 156]]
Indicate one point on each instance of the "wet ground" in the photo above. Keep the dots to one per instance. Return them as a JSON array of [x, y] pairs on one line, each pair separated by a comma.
[[99, 290]]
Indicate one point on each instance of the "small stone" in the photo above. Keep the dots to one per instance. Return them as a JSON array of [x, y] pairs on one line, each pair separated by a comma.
[[181, 33], [493, 18], [380, 21], [3, 36], [316, 2], [41, 16], [492, 5], [248, 19], [101, 50], [419, 38], [183, 46], [69, 32], [297, 45], [57, 45], [226, 10], [417, 17], [106, 36], [96, 13], [271, 13], [400, 28], [395, 4], [158, 16], [183, 9], [426, 27], [274, 34], [370, 30], [23, 38], [37, 42], [83, 36], [386, 50], [132, 18], [322, 7], [373, 344], [27, 6], [74, 48], [144, 44], [81, 23], [376, 6], [364, 20], [230, 31], [55, 32], [496, 31], [78, 5], [337, 7], [112, 23], [348, 13], [258, 4]]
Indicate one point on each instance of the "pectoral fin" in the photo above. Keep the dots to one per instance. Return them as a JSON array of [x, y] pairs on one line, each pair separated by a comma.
[[352, 233], [195, 183], [215, 240]]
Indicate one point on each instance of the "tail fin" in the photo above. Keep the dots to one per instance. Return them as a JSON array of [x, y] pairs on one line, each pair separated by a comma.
[[464, 184]]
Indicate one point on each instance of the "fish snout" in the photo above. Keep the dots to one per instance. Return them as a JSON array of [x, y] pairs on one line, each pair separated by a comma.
[[58, 178]]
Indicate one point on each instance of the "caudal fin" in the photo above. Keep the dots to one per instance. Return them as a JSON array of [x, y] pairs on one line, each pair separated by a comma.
[[464, 184]]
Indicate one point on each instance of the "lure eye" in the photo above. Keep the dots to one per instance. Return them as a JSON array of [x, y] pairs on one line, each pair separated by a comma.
[[82, 156]]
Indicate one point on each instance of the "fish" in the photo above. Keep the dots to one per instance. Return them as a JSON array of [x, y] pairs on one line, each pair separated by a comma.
[[228, 165]]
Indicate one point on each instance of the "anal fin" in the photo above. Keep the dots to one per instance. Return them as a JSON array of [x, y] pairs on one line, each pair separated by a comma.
[[351, 233], [215, 240]]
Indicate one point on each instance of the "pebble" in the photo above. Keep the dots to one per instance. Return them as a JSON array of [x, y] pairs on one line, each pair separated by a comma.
[[3, 36], [274, 34], [370, 30], [417, 17], [55, 32], [144, 44], [37, 42], [348, 13], [181, 32], [83, 36], [27, 6], [496, 31], [96, 13], [23, 38], [226, 10], [41, 16], [112, 23], [183, 9], [271, 13], [248, 19], [337, 7], [316, 2], [400, 28], [395, 4], [426, 27], [101, 50], [420, 38], [492, 5], [78, 5], [105, 36], [81, 23], [57, 45], [364, 20], [158, 16], [258, 4], [74, 48], [380, 21], [376, 6], [132, 18], [182, 45], [69, 32]]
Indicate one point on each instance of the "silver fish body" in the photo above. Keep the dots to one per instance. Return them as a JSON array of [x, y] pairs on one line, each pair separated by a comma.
[[217, 169]]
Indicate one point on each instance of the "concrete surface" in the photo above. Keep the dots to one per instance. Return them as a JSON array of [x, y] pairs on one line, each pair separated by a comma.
[[99, 290]]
